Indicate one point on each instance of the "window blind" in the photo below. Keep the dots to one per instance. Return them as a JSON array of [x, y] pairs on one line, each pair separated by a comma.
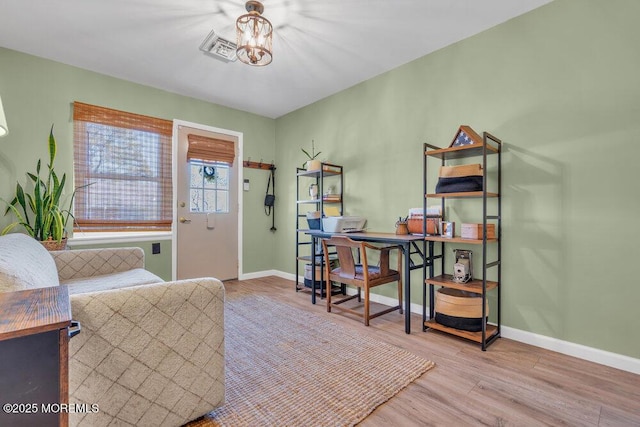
[[124, 160], [210, 149]]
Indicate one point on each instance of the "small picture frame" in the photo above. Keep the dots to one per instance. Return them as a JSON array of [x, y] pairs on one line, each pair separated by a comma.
[[447, 229]]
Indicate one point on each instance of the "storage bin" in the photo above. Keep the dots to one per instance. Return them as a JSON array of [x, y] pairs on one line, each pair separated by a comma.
[[474, 231], [459, 309], [314, 220], [307, 274], [415, 225]]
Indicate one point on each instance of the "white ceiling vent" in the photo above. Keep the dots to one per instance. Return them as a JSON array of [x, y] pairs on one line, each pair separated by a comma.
[[219, 48]]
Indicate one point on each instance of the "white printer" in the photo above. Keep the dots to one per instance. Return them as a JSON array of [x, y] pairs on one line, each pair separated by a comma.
[[343, 224]]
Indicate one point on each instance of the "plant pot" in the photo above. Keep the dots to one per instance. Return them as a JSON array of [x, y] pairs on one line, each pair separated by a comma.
[[314, 165], [52, 245]]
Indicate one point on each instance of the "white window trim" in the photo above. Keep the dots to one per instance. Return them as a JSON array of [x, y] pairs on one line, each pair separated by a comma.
[[105, 237]]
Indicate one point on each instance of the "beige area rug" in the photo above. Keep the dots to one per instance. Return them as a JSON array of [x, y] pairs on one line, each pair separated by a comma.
[[289, 367]]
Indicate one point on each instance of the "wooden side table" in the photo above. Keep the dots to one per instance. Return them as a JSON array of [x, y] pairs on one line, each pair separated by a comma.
[[34, 357]]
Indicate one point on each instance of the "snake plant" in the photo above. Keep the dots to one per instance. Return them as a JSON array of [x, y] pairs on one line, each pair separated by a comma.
[[40, 213]]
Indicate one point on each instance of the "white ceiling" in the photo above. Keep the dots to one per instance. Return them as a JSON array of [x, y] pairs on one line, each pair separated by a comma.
[[320, 47]]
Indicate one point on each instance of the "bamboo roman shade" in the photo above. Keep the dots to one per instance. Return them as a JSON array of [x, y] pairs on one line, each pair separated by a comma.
[[123, 162], [210, 149]]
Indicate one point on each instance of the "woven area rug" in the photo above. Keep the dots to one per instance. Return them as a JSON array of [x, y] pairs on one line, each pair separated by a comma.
[[289, 367]]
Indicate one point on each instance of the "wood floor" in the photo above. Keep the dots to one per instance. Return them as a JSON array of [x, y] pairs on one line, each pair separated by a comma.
[[509, 384]]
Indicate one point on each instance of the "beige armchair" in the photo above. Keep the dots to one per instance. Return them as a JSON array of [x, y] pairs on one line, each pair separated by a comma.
[[150, 353]]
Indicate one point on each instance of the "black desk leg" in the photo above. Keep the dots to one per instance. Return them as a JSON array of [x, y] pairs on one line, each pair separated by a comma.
[[313, 270], [406, 248]]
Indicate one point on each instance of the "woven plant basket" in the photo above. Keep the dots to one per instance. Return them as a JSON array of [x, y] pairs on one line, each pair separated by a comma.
[[52, 245]]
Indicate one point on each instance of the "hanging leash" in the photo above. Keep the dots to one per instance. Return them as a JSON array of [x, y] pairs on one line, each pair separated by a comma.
[[270, 199]]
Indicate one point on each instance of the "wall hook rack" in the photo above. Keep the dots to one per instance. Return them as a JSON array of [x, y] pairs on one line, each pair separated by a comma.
[[258, 165]]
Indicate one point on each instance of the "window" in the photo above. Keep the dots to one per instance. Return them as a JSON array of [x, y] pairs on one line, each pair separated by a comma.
[[124, 160], [208, 187], [210, 160]]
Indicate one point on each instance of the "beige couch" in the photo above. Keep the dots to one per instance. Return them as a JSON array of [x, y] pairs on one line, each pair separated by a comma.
[[150, 352]]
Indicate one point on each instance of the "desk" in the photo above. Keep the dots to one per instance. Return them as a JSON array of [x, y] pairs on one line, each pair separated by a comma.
[[405, 241]]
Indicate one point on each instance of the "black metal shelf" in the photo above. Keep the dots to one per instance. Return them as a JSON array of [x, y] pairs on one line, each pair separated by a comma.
[[490, 332], [303, 241]]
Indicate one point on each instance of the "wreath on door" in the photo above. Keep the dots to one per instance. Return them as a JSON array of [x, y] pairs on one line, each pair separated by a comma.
[[209, 173]]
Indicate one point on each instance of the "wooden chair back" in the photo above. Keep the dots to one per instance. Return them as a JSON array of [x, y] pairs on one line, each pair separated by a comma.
[[344, 249]]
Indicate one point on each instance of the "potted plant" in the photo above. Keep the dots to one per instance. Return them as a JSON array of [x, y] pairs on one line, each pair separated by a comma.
[[41, 213], [312, 164]]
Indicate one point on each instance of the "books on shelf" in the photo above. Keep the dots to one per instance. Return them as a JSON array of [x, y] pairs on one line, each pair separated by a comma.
[[331, 197], [330, 168]]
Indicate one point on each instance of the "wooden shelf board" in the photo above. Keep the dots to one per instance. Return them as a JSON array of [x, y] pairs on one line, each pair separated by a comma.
[[316, 173], [317, 201], [457, 239], [461, 195], [473, 336], [474, 285], [461, 152]]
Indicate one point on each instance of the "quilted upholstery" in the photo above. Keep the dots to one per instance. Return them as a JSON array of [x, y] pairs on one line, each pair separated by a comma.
[[150, 353], [96, 262], [137, 276]]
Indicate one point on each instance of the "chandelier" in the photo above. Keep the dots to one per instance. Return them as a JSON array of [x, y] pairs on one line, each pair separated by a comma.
[[254, 36]]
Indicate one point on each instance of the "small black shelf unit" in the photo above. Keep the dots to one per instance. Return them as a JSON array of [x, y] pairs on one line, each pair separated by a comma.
[[491, 201], [329, 175]]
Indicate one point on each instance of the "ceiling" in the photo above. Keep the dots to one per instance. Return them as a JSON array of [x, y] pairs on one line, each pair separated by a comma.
[[320, 47]]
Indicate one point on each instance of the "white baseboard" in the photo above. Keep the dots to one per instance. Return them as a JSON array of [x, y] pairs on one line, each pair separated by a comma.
[[265, 273], [607, 358], [615, 360]]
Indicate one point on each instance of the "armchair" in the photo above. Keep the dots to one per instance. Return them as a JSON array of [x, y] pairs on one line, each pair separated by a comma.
[[150, 353]]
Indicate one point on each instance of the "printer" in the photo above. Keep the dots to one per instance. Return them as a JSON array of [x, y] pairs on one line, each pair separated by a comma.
[[343, 224]]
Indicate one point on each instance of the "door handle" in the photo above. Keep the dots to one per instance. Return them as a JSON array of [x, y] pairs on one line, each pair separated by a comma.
[[184, 220]]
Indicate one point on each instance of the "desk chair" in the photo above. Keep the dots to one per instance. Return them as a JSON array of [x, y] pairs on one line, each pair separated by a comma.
[[362, 275]]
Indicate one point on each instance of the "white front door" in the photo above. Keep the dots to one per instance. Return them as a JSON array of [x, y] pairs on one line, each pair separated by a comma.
[[206, 232]]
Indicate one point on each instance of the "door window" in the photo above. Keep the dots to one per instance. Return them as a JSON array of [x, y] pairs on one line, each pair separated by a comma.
[[208, 187]]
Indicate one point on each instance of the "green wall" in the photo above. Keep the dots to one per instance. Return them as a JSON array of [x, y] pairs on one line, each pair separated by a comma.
[[560, 86], [159, 264], [37, 93]]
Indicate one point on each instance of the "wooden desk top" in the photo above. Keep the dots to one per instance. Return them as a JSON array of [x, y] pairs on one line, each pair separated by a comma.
[[373, 236], [34, 311]]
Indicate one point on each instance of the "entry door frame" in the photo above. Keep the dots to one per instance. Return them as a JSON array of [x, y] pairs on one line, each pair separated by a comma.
[[239, 167]]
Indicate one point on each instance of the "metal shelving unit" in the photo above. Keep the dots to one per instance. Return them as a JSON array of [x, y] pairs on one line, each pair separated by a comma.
[[304, 204], [480, 285]]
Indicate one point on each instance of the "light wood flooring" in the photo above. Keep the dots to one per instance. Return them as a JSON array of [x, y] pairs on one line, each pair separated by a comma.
[[509, 384]]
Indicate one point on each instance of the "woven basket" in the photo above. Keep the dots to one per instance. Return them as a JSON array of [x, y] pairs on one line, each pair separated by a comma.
[[52, 245], [459, 309], [454, 302]]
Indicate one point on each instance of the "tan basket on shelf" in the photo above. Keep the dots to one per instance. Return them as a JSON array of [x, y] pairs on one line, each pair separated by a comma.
[[457, 303]]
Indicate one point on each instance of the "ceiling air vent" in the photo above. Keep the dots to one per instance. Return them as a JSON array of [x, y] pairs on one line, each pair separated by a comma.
[[219, 48]]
